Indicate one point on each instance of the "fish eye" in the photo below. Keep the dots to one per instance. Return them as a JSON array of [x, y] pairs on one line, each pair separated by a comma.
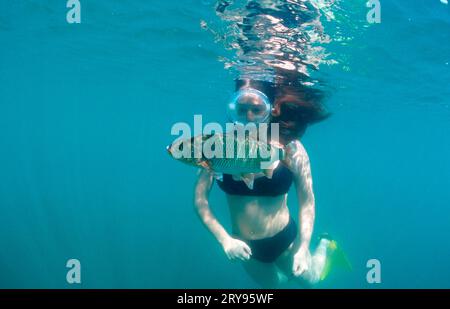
[[181, 147]]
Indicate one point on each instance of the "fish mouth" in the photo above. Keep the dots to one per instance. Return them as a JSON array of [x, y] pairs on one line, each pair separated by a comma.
[[168, 150]]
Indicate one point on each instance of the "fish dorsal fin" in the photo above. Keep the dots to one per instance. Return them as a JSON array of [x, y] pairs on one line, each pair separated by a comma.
[[249, 180]]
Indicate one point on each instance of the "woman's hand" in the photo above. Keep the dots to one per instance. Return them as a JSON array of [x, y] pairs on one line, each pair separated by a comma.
[[236, 249], [302, 261]]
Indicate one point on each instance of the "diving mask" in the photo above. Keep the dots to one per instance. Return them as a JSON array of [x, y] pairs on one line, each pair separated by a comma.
[[249, 105]]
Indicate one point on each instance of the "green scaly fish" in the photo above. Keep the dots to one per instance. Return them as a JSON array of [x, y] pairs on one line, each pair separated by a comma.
[[244, 157]]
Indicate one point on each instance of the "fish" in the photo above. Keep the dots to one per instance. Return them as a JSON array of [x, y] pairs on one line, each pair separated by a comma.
[[242, 156]]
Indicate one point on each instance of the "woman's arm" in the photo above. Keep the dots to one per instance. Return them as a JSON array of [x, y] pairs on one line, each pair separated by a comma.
[[234, 248], [201, 204], [298, 162]]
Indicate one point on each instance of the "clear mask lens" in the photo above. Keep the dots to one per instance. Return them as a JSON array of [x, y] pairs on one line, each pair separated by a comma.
[[249, 105]]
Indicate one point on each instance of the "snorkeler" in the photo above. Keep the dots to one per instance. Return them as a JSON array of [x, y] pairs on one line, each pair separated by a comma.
[[276, 46], [272, 246]]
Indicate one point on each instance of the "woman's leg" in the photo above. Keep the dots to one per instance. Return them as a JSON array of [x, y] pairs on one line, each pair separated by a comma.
[[318, 261], [317, 264], [285, 262], [267, 275]]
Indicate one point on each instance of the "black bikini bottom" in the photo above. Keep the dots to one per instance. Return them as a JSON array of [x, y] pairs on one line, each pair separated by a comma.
[[268, 249]]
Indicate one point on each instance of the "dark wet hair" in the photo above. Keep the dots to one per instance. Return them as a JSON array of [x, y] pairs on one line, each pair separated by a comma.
[[299, 104], [292, 102]]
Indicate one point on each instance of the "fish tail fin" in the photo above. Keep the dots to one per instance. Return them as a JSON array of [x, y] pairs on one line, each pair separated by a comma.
[[282, 154], [268, 172], [280, 148]]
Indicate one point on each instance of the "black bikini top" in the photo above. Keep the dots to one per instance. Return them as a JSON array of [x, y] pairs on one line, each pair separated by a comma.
[[279, 184]]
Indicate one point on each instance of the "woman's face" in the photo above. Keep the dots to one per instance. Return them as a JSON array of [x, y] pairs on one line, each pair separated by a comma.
[[251, 107]]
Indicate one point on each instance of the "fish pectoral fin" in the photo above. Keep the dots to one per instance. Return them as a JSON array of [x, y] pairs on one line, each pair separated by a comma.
[[249, 180]]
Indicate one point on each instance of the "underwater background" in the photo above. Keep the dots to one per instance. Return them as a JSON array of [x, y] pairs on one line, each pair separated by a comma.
[[86, 112]]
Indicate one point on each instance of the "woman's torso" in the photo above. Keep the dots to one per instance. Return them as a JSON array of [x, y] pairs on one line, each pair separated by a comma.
[[260, 212], [256, 217]]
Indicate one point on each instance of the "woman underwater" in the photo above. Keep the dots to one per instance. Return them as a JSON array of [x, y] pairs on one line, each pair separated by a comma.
[[274, 246], [264, 236]]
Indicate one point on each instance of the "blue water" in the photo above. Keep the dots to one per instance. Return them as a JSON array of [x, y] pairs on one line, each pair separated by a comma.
[[85, 115]]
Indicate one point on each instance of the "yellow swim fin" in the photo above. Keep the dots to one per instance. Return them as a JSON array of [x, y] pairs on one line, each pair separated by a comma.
[[336, 258]]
